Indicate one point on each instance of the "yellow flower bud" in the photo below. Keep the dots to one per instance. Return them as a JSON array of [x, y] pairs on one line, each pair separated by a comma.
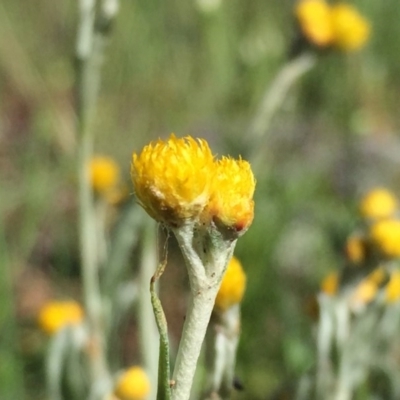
[[392, 291], [315, 21], [364, 293], [172, 178], [350, 29], [330, 284], [385, 234], [231, 202], [232, 287], [355, 249], [58, 314], [378, 203], [104, 174], [133, 384]]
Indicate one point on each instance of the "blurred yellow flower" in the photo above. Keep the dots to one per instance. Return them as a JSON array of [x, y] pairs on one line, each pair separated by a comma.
[[133, 384], [58, 314], [232, 287], [385, 234], [378, 203], [378, 276], [392, 290], [330, 284], [350, 30], [315, 21], [172, 178], [355, 249], [231, 200], [364, 293], [104, 174]]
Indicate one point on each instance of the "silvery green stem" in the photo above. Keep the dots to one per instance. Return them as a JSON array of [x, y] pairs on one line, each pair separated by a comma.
[[325, 336], [221, 344], [277, 91], [205, 279], [92, 33]]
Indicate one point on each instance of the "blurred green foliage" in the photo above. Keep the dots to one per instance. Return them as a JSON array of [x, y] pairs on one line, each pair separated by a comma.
[[170, 67]]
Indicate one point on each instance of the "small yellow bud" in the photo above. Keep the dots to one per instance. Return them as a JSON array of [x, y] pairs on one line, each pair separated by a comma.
[[330, 284], [392, 291], [133, 384], [232, 287], [355, 249], [104, 174], [364, 293], [58, 314], [385, 235], [378, 203], [231, 200]]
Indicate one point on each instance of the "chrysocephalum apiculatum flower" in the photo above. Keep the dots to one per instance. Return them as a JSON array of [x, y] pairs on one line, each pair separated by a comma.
[[179, 179], [314, 19], [232, 287], [339, 25], [56, 315], [355, 249], [330, 284], [378, 203], [392, 290], [231, 204], [172, 178], [133, 384], [104, 174], [350, 29], [385, 235]]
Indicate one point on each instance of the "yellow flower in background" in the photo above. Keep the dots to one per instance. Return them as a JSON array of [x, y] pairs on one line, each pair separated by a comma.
[[364, 293], [392, 290], [330, 284], [355, 249], [378, 203], [104, 174], [59, 314], [232, 287], [315, 21], [133, 384], [231, 200], [385, 234], [378, 276], [172, 178], [350, 29]]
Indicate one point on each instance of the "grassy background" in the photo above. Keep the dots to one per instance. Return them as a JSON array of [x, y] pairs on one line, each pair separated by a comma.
[[171, 68]]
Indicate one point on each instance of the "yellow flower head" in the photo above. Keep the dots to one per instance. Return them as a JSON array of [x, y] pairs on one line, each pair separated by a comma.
[[231, 201], [315, 21], [232, 287], [350, 29], [378, 203], [385, 234], [104, 174], [133, 384], [355, 249], [364, 293], [330, 284], [172, 178], [392, 291], [58, 314]]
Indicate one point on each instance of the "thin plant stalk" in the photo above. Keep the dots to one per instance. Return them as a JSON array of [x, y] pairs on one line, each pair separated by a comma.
[[205, 277], [272, 100], [89, 55]]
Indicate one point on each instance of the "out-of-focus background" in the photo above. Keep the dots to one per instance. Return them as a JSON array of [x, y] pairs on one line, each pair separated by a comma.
[[198, 68]]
